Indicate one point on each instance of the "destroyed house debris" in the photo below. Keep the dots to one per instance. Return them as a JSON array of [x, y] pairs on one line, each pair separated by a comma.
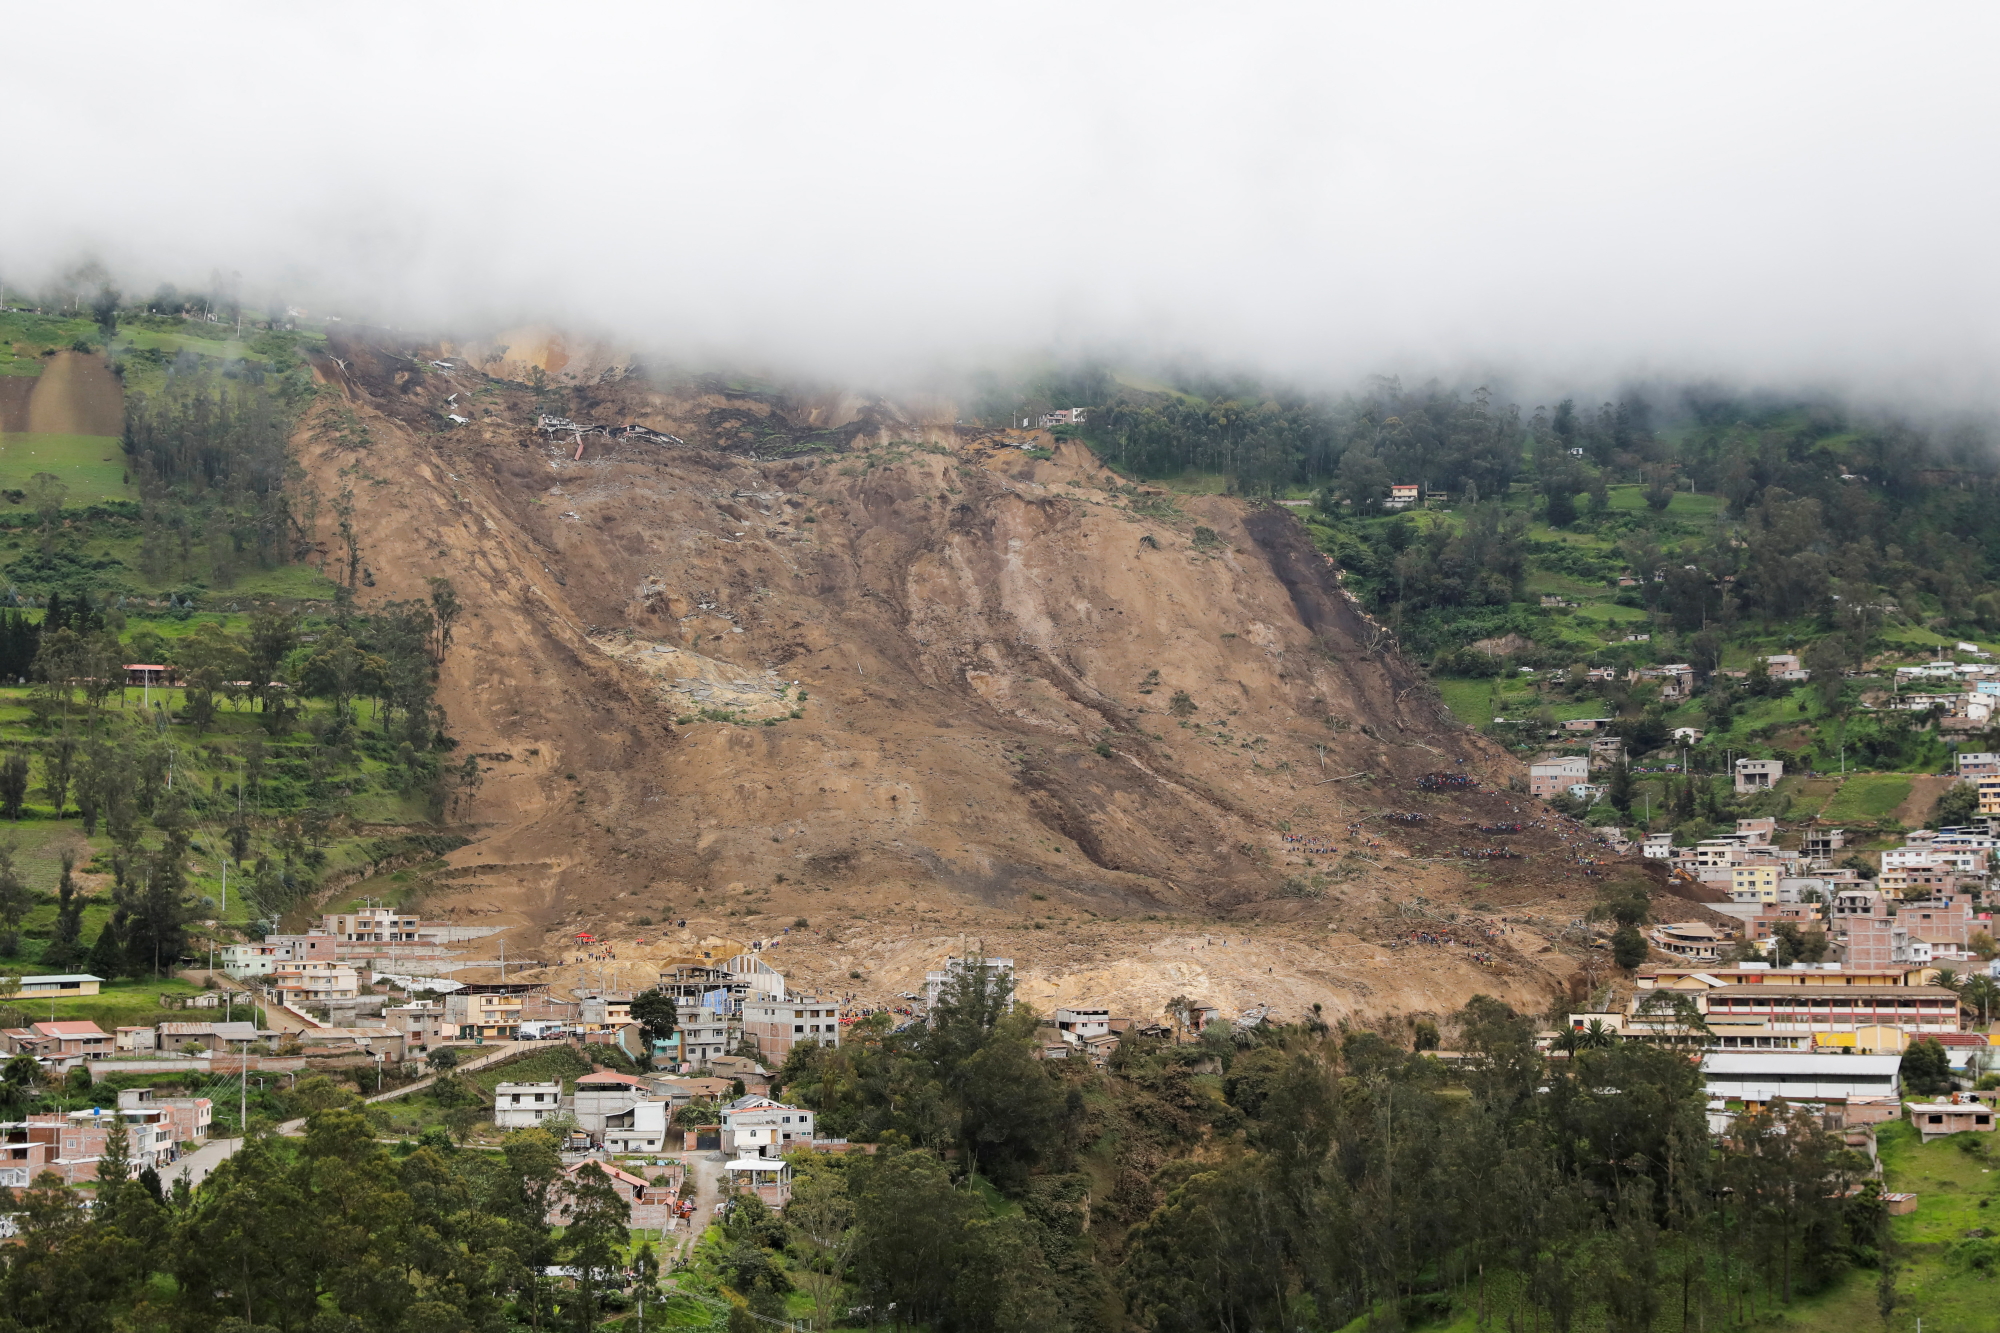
[[564, 426]]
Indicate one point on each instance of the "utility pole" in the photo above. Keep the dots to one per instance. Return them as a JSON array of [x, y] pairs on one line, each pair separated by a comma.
[[243, 1100]]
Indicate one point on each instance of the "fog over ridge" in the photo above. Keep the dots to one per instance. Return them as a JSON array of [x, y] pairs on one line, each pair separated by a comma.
[[1773, 193]]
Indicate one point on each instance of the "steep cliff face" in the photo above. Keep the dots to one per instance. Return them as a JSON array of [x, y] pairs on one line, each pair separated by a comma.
[[913, 686]]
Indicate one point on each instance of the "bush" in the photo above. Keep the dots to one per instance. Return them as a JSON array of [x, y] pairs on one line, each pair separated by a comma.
[[1926, 1068], [1628, 947]]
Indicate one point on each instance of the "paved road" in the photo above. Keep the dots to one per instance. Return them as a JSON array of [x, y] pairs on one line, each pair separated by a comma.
[[495, 1053], [197, 1164]]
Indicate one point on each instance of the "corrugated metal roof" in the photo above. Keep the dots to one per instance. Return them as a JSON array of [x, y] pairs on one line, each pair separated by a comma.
[[1872, 993], [1752, 1063]]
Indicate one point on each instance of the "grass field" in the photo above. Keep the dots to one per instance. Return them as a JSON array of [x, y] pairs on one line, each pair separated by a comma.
[[1918, 637], [91, 466], [1685, 504], [1470, 701], [122, 1004], [1867, 796]]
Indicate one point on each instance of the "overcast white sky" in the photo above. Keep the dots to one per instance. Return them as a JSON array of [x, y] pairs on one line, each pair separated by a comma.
[[1768, 192]]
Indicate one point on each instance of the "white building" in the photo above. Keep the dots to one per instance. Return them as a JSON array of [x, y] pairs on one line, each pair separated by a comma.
[[1761, 1076], [760, 1127], [641, 1128], [1079, 1025], [253, 960], [603, 1095], [525, 1105], [934, 982]]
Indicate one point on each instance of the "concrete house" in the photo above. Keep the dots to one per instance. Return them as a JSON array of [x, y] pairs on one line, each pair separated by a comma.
[[640, 1128], [1079, 1025], [759, 1126], [65, 1044], [602, 1094], [525, 1105], [490, 1010], [1553, 777], [1937, 1119], [1755, 775], [189, 1117], [775, 1026], [1979, 765]]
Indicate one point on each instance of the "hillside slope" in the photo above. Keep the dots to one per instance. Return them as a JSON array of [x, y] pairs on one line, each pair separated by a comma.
[[940, 678]]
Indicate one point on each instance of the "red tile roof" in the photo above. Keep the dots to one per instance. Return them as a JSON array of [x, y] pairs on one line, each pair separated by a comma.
[[608, 1076]]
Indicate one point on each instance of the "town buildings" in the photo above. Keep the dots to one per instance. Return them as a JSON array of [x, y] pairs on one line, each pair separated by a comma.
[[775, 1026], [1554, 777], [488, 1010], [1755, 775], [761, 1127], [956, 968], [1938, 1119], [53, 987], [526, 1105]]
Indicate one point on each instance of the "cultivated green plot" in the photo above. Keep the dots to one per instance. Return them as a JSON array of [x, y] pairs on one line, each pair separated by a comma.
[[1867, 796], [90, 467]]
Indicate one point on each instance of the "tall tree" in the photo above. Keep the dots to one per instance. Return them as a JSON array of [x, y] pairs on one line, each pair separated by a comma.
[[64, 952], [15, 900], [14, 774]]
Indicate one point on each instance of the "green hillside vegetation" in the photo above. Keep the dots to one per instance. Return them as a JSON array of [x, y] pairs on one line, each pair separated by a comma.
[[154, 794], [1559, 540], [298, 740], [90, 468], [1868, 797]]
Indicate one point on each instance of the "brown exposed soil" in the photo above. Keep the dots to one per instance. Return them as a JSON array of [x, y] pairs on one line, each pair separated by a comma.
[[76, 394], [15, 390], [1925, 789], [984, 653]]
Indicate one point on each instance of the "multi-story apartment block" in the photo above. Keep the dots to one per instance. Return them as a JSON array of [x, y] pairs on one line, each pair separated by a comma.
[[488, 1011], [775, 1026]]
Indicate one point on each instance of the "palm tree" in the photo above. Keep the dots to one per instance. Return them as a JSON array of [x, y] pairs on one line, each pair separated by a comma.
[[1596, 1036], [1978, 995]]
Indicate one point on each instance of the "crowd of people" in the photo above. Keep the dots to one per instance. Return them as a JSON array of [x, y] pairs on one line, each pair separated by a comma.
[[1312, 844]]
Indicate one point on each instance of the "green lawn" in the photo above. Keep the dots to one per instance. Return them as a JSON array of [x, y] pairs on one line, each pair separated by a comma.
[[1470, 701], [91, 466], [124, 1004], [298, 582], [1685, 504], [1918, 637], [1867, 796]]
